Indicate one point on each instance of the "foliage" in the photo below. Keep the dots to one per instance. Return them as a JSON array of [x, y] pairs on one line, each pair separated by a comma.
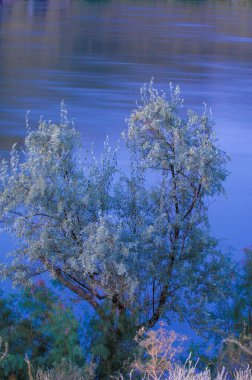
[[185, 264], [37, 324], [113, 346], [55, 323], [14, 362], [242, 308], [144, 249], [236, 311]]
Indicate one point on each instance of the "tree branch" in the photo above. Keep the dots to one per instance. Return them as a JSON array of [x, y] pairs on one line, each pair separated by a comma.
[[197, 193], [84, 294]]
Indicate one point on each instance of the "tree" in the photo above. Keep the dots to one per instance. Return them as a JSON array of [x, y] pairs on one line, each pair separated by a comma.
[[237, 309], [236, 350], [143, 246], [181, 267], [49, 326], [36, 323], [113, 346], [243, 305]]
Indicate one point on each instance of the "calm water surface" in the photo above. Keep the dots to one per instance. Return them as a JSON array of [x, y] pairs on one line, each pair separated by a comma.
[[96, 54]]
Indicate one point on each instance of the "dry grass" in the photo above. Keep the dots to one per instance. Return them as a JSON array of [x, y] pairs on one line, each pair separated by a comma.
[[177, 372], [65, 371], [190, 372], [243, 375]]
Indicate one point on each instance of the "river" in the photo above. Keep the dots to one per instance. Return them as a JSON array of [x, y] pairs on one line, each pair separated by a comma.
[[96, 55]]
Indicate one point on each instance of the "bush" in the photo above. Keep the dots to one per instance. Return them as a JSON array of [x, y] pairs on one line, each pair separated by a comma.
[[36, 322]]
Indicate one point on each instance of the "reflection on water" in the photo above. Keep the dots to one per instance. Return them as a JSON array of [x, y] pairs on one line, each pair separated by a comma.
[[96, 55]]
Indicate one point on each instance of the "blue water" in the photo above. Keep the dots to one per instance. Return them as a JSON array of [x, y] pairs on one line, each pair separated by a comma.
[[96, 54]]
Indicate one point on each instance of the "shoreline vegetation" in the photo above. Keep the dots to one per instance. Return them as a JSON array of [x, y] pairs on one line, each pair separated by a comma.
[[139, 254], [54, 342], [161, 346]]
